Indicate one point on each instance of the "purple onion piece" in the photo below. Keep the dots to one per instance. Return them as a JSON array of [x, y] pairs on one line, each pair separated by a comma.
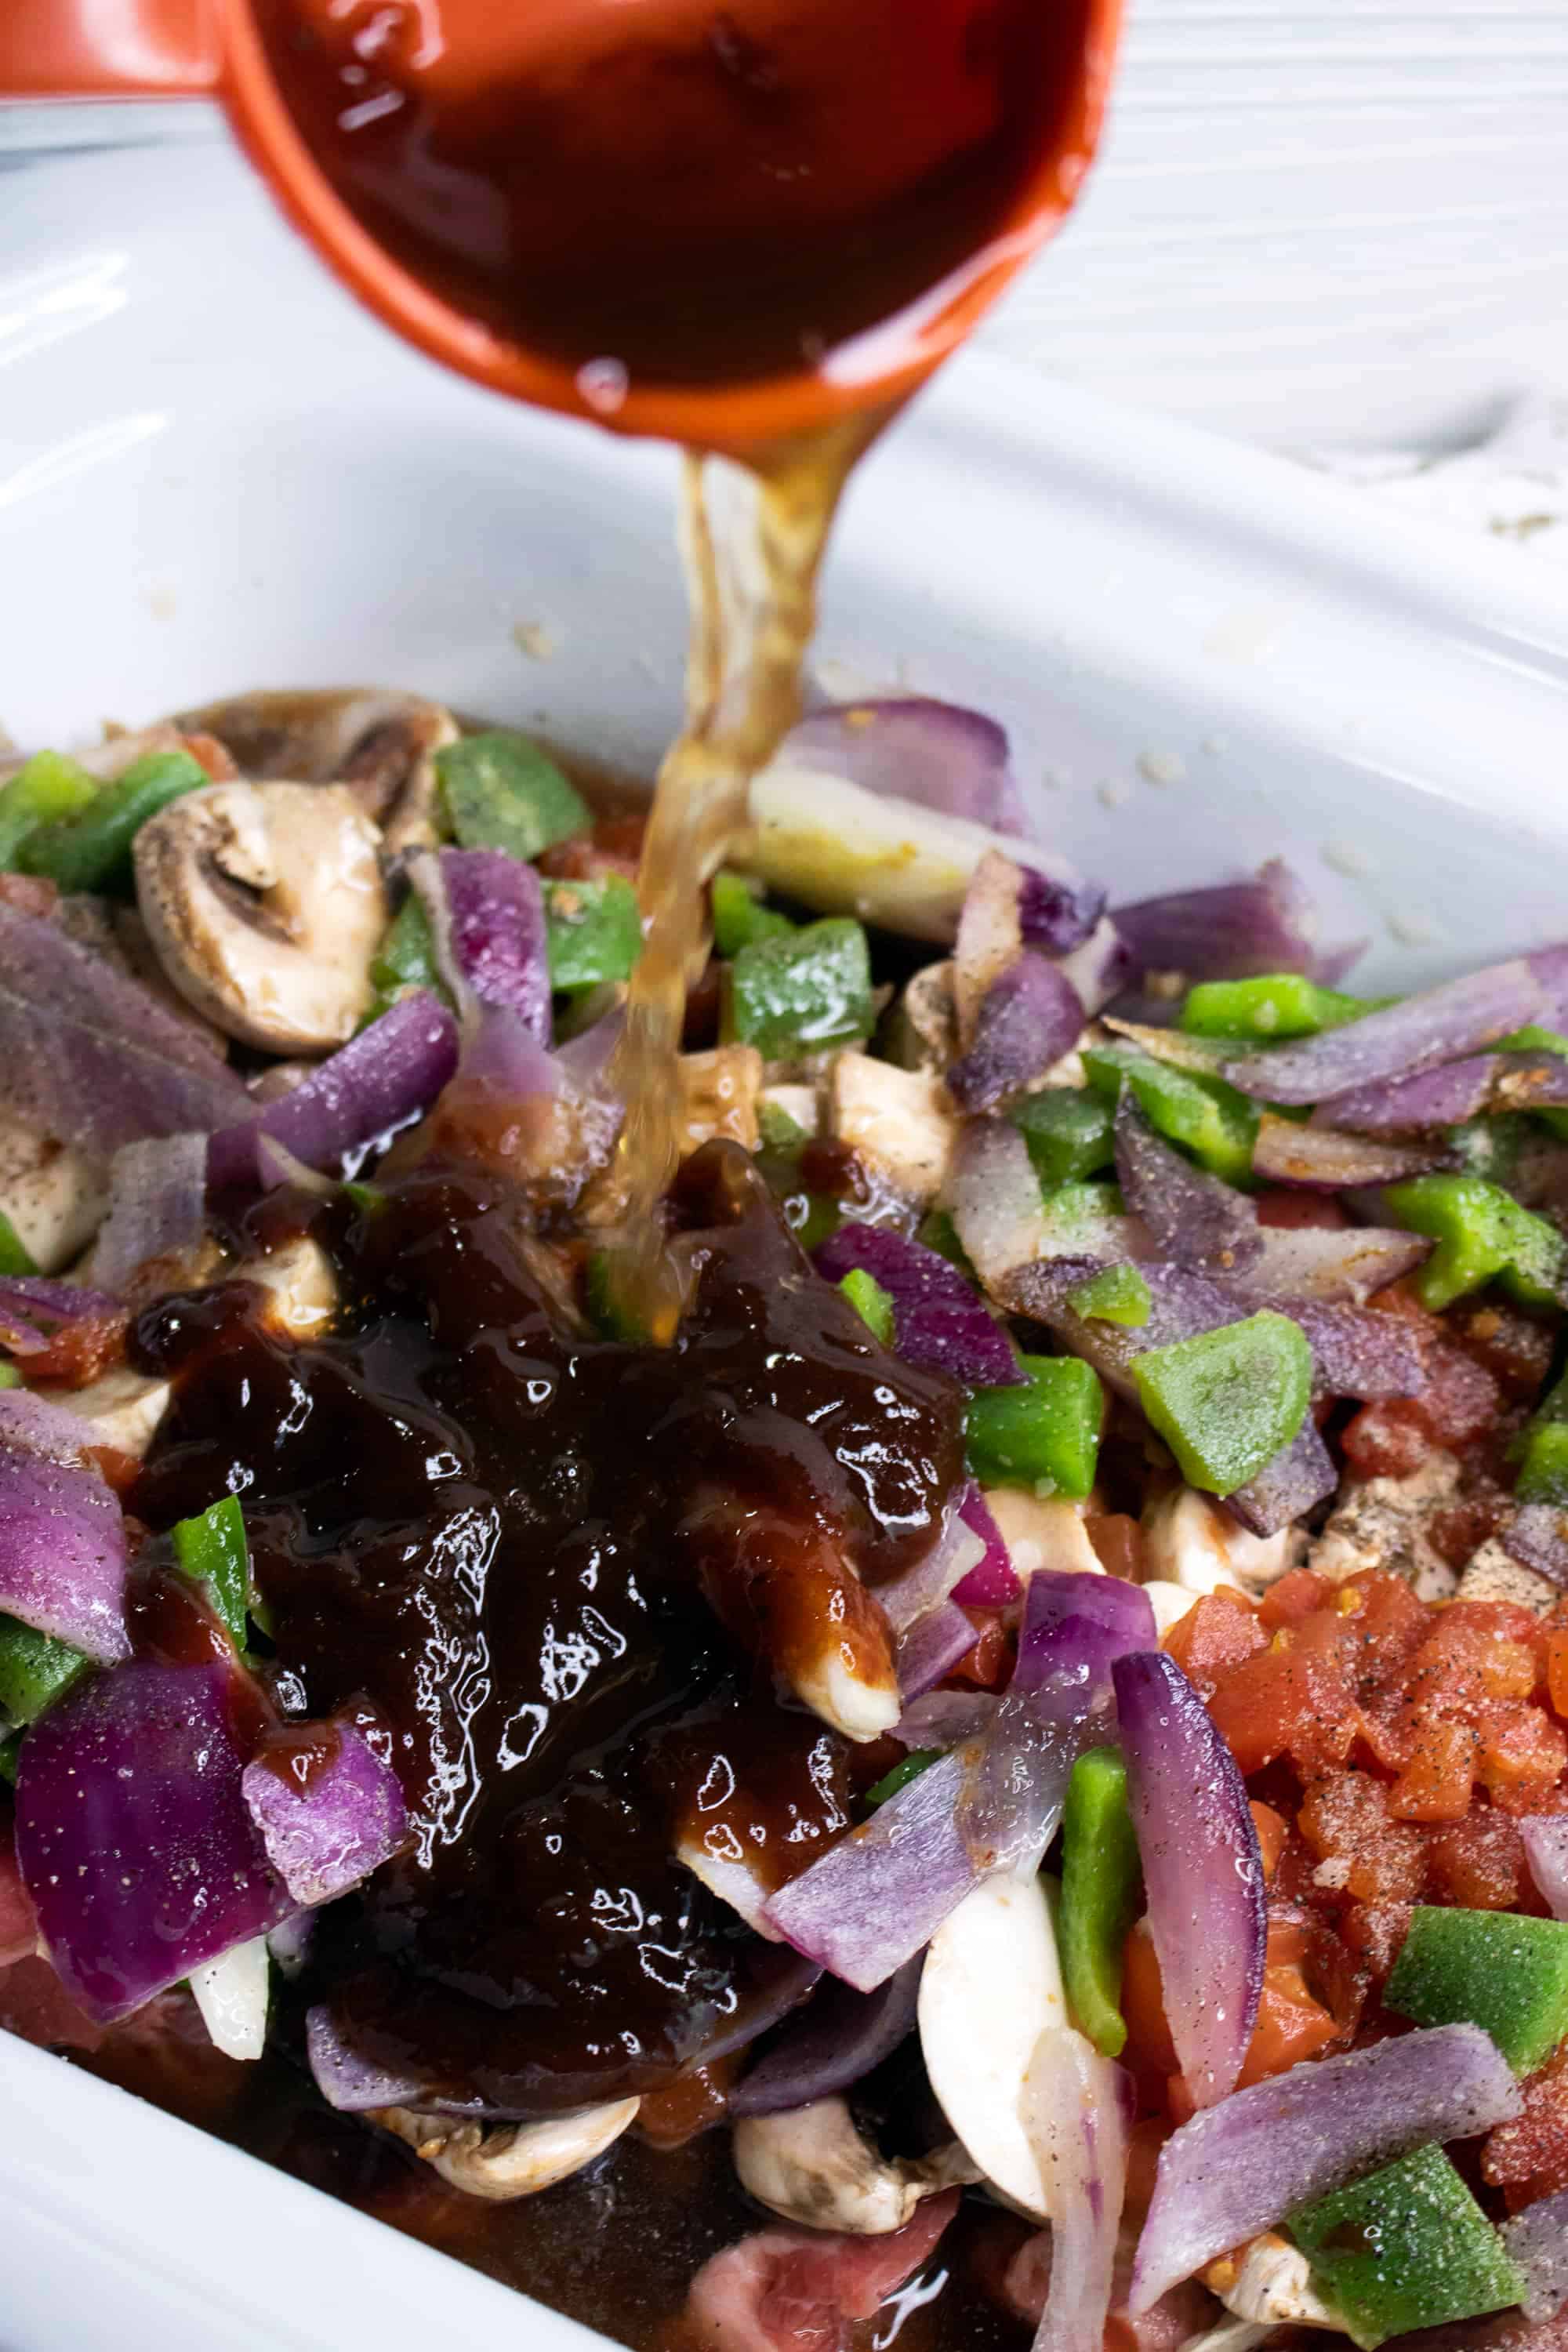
[[1078, 2109], [929, 1649], [1196, 1218], [1058, 912], [1439, 1025], [486, 915], [1101, 968], [31, 1306], [1066, 1607], [991, 1582], [62, 1534], [1434, 1099], [937, 754], [1357, 1351], [1030, 1017], [946, 1718], [1328, 1158], [1339, 1268], [352, 2084], [157, 1205], [92, 1056], [995, 1199], [939, 1323], [326, 1830], [1537, 2239], [833, 2042], [1241, 2166], [1230, 931], [1301, 1475], [934, 1577], [1182, 1304], [142, 1765], [1536, 1537], [1546, 1851], [1202, 1871], [369, 1088], [1333, 966]]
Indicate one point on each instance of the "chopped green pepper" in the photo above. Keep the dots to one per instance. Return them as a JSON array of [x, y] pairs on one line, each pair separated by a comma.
[[368, 1199], [937, 1230], [740, 917], [778, 1131], [211, 1549], [14, 1256], [871, 1302], [1488, 1147], [50, 790], [502, 792], [35, 1669], [1117, 1294], [1496, 1969], [795, 994], [1214, 1123], [594, 931], [1225, 1401], [1404, 2247], [10, 1754], [1075, 1217], [1102, 1880], [607, 1309], [1542, 1449], [10, 1377], [404, 960], [92, 851], [1278, 1004], [1069, 1131], [1045, 1434], [911, 1769], [1482, 1234], [1531, 1039]]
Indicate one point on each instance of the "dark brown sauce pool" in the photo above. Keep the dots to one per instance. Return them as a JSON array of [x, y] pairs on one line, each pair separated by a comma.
[[559, 1571]]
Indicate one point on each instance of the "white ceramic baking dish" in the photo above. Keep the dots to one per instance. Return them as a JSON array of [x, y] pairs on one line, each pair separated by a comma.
[[214, 473]]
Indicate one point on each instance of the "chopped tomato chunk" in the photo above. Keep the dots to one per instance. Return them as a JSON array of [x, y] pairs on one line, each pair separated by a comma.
[[1529, 2158], [1479, 1863], [1292, 2025], [1298, 1592], [1439, 1778], [1217, 1632], [1361, 1851]]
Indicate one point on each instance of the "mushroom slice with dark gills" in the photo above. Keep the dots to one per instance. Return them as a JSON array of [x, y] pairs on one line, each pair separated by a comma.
[[266, 904], [383, 745], [501, 2161]]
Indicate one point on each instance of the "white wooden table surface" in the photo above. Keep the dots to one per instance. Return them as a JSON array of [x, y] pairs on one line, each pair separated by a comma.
[[1314, 221]]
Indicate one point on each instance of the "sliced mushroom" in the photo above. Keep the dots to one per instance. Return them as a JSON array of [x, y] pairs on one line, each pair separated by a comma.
[[266, 903], [1269, 2282], [1195, 1542], [122, 1409], [54, 1194], [382, 745], [301, 1285], [811, 2165], [991, 1985], [1043, 1531], [922, 1030], [898, 1123], [719, 1096], [500, 2161], [798, 1104]]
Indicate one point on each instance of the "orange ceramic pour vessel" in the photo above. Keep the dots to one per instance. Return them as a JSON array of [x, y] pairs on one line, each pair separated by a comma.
[[721, 221]]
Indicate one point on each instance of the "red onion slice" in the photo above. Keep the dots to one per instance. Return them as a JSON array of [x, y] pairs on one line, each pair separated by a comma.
[[1536, 1537], [1000, 1214], [1107, 1616], [381, 1079], [1545, 1842], [31, 1306], [935, 1577], [830, 2044], [1357, 1351], [93, 1057], [1101, 968], [940, 755], [1434, 1099], [62, 1535], [1227, 932], [1329, 1160], [157, 1205], [1339, 1268], [1078, 2110], [1240, 2166], [486, 911], [991, 1582], [326, 1819], [352, 2084], [1028, 1018], [939, 1323], [142, 1765], [1202, 1869], [1301, 1475], [929, 1649], [1439, 1025], [1196, 1218], [1537, 2239]]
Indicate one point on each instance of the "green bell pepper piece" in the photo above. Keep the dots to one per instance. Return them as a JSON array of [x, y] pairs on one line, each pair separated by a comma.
[[1068, 1130], [211, 1549], [1482, 1234], [1540, 1449], [10, 1377], [404, 960], [902, 1773], [777, 1131], [1117, 1294], [500, 792], [1044, 1434], [740, 918], [871, 1302], [1102, 1888], [795, 993], [50, 790], [368, 1199], [1533, 1039], [607, 1308], [594, 931], [937, 1230], [14, 1256], [35, 1669], [1490, 1147], [1277, 1005], [10, 1755], [1225, 1401], [1076, 1217], [1404, 2247], [1496, 1969], [92, 851], [1209, 1118]]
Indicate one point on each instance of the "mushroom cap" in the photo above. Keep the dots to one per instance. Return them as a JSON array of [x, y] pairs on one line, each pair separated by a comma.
[[500, 2161], [811, 2165], [991, 1985], [265, 903], [380, 743]]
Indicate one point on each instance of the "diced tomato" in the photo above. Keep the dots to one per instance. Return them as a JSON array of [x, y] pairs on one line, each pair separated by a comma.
[[1513, 1345], [1458, 1403], [1373, 1934], [1297, 1698], [1556, 1646], [613, 847], [989, 1664], [1478, 1865], [1216, 1633], [1119, 1542], [1273, 1829], [1437, 1782], [1299, 1592], [1150, 2050], [1292, 2025], [1522, 1754], [1529, 2158], [212, 755], [1360, 1852]]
